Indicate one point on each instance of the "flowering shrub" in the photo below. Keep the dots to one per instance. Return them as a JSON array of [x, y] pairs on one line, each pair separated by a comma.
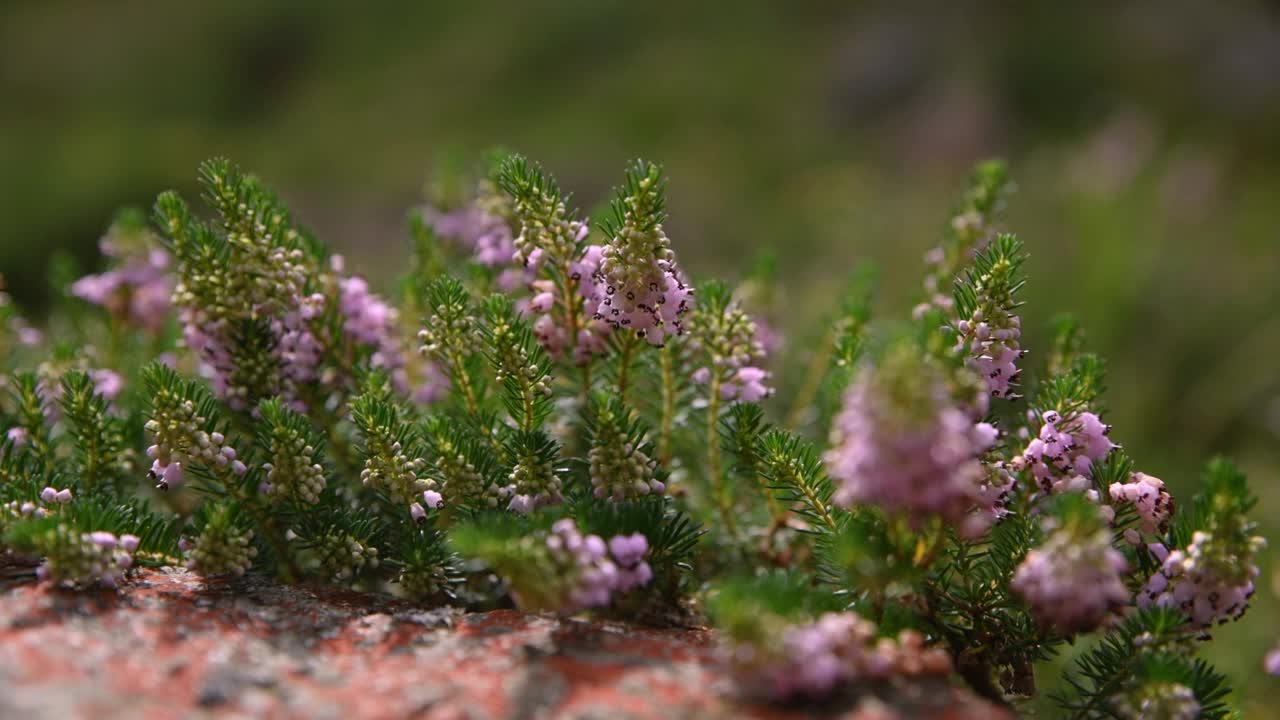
[[580, 426]]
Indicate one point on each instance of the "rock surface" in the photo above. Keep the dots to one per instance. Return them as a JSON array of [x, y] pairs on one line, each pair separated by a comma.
[[169, 645]]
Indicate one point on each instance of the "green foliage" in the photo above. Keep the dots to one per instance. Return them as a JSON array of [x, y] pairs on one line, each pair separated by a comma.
[[1147, 648], [991, 283], [619, 479], [641, 203], [1079, 386], [751, 608], [519, 363], [793, 469], [102, 457]]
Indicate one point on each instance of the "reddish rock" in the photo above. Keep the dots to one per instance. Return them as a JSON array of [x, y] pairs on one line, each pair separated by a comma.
[[167, 645]]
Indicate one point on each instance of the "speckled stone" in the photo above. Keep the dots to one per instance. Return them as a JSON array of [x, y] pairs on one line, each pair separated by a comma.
[[168, 645]]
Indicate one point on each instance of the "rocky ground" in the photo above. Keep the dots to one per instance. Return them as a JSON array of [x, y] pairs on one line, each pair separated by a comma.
[[169, 645]]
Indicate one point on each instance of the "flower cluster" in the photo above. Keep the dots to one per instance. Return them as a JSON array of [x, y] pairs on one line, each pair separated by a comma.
[[548, 230], [85, 558], [390, 468], [902, 444], [459, 476], [179, 437], [137, 289], [255, 296], [1066, 448], [241, 368], [534, 483], [480, 226], [221, 548], [1211, 580], [639, 287], [14, 510], [370, 321], [294, 471], [1164, 700], [988, 335], [993, 352], [1272, 662], [594, 571], [106, 382], [14, 327], [1073, 580], [550, 327], [298, 351], [971, 229], [1152, 502], [620, 464], [51, 495], [728, 340], [449, 336], [342, 556], [817, 659]]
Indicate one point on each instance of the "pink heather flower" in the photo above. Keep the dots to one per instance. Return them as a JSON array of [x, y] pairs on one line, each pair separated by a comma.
[[995, 364], [87, 558], [521, 504], [548, 325], [167, 476], [747, 385], [732, 349], [812, 660], [628, 553], [592, 576], [1163, 700], [137, 290], [63, 496], [1149, 498], [433, 499], [17, 435], [486, 235], [207, 342], [921, 461], [107, 383], [1065, 447], [993, 350], [366, 317], [48, 495], [417, 512], [652, 311], [1272, 662], [769, 337], [369, 320], [1207, 581], [1072, 582], [29, 336]]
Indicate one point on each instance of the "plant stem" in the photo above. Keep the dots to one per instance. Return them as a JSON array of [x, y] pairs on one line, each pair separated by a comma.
[[668, 406], [624, 366], [464, 383], [816, 371], [469, 398], [289, 570], [816, 503], [723, 502]]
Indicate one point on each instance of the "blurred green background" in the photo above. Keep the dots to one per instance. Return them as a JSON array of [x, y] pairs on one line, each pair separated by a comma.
[[1145, 138]]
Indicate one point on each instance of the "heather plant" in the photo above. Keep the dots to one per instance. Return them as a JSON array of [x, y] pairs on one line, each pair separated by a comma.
[[556, 416]]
